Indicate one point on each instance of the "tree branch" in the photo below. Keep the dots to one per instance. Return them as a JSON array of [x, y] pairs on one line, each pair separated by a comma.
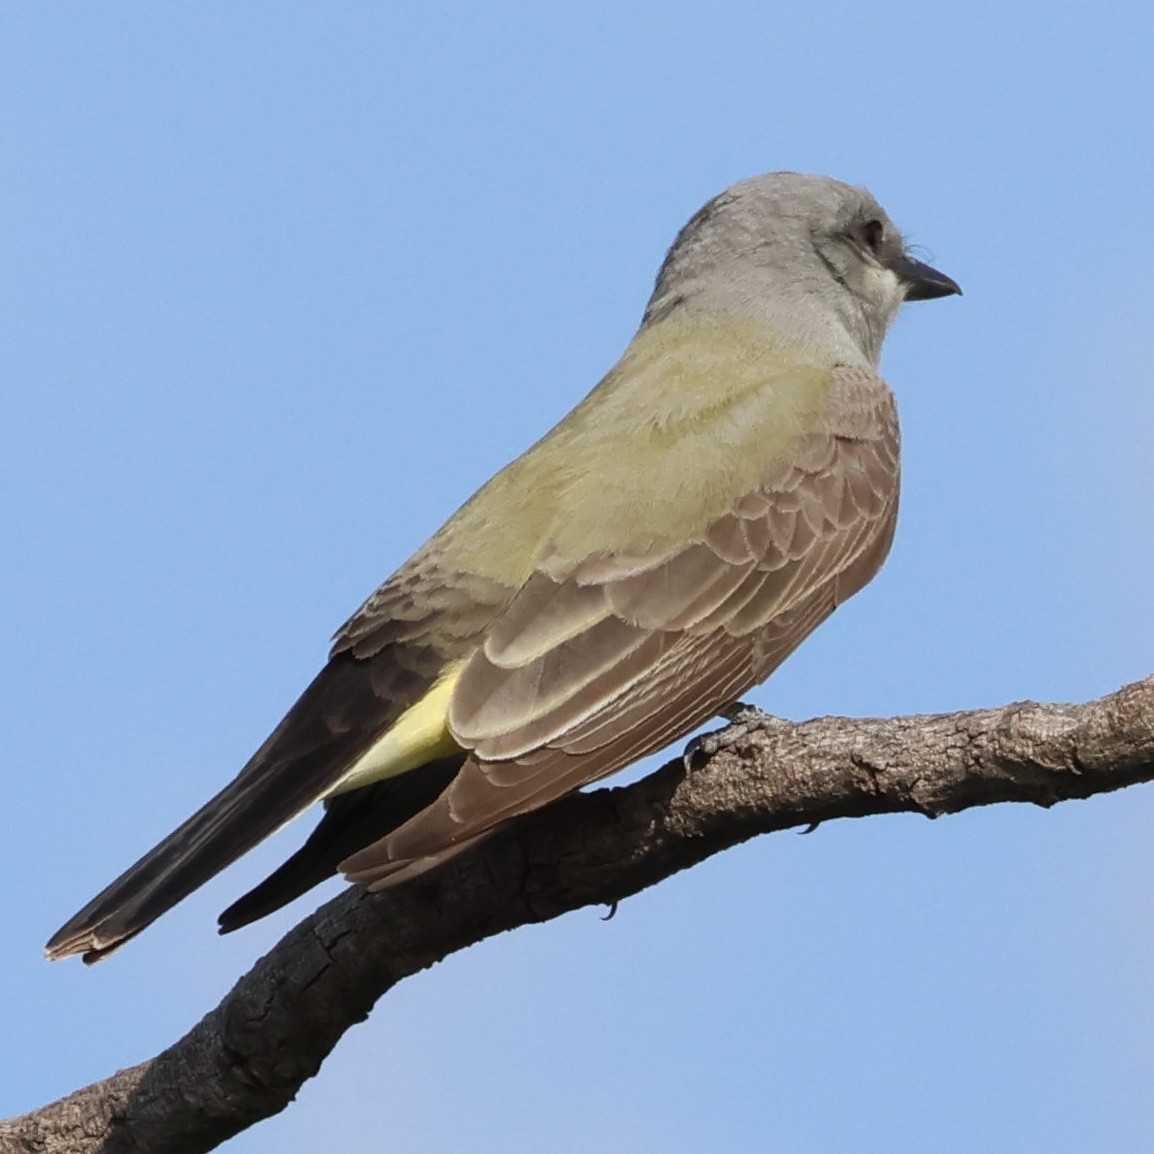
[[247, 1058]]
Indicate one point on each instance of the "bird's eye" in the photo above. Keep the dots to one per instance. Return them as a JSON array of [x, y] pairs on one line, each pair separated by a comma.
[[872, 234]]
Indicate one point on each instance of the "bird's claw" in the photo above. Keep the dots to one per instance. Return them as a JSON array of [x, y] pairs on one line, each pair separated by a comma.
[[742, 718]]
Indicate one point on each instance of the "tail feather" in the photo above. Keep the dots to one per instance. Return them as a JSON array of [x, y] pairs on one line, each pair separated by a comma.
[[333, 722], [351, 822], [214, 837]]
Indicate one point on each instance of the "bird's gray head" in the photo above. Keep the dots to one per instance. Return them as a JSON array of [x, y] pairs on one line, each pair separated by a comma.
[[816, 258]]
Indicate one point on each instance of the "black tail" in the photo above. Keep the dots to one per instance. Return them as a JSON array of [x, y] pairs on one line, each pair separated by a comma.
[[244, 813], [351, 822], [335, 720]]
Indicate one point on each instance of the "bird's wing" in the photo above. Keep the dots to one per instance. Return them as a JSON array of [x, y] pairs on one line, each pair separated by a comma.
[[589, 670]]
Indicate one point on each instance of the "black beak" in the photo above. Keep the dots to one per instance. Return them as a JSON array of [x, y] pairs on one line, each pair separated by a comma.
[[922, 282]]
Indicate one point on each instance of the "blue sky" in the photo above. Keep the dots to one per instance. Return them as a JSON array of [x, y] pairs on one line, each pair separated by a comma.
[[280, 285]]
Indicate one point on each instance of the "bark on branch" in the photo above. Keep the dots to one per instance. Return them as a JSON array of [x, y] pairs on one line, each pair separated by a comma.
[[246, 1059]]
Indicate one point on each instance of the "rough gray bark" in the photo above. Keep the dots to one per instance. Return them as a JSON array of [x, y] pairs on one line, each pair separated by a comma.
[[246, 1059]]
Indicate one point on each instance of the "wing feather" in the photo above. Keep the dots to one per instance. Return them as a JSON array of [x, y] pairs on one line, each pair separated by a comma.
[[685, 633]]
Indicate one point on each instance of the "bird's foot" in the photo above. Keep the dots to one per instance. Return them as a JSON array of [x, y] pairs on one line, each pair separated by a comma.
[[743, 719]]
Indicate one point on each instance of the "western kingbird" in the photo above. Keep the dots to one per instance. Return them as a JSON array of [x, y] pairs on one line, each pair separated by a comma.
[[731, 480]]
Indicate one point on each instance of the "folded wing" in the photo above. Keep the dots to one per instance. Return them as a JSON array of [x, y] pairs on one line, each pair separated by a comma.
[[591, 669]]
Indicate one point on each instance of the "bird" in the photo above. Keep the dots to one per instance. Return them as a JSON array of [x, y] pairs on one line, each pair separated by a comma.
[[727, 484]]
